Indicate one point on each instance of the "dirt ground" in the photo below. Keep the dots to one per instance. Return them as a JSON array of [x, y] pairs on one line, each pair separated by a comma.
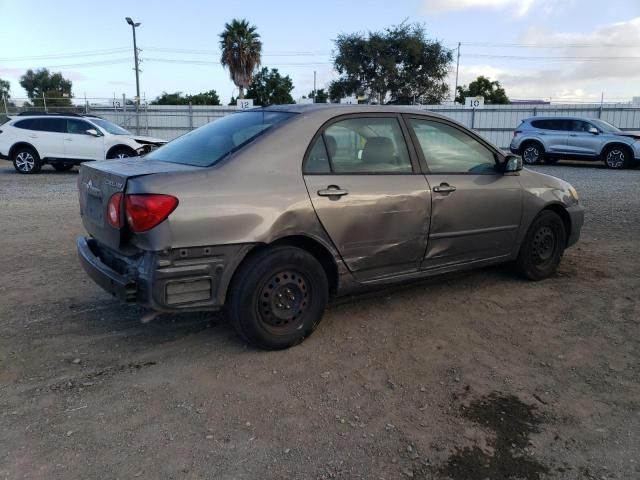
[[470, 376]]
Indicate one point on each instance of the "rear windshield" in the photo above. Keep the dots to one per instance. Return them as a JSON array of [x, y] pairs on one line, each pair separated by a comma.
[[209, 144]]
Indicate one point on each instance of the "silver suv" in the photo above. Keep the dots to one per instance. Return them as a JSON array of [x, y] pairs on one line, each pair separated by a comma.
[[553, 138]]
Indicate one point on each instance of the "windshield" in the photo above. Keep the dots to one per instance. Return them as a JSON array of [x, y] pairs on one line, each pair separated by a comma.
[[605, 126], [209, 144], [111, 128]]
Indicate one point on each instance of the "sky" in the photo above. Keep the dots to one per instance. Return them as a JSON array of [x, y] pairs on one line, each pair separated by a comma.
[[564, 50]]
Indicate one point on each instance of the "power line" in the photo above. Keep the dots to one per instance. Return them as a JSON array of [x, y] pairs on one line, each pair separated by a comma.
[[567, 58], [91, 53], [543, 45]]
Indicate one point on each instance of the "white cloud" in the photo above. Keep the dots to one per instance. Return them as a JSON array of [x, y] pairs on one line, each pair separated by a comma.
[[574, 78], [519, 7]]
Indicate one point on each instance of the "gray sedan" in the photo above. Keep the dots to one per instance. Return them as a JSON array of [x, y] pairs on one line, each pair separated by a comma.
[[273, 212]]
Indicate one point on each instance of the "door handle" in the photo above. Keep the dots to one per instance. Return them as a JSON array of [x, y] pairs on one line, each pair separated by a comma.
[[332, 191], [33, 136], [68, 139], [573, 134], [444, 188]]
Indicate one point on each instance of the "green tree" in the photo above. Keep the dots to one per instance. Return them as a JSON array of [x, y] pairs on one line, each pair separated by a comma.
[[176, 98], [492, 91], [54, 86], [5, 89], [241, 52], [321, 95], [270, 88], [397, 65]]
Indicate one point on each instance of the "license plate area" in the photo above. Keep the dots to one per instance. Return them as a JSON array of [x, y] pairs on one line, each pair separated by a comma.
[[95, 210]]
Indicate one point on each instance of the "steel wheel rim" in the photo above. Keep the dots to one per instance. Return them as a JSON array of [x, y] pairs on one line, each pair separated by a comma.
[[544, 245], [531, 155], [283, 301], [25, 161], [615, 158]]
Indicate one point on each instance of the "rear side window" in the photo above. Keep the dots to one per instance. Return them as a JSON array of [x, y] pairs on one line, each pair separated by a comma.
[[552, 124], [55, 125], [211, 143], [364, 145]]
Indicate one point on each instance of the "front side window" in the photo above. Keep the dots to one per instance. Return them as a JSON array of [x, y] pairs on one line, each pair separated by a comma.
[[447, 149], [109, 127], [365, 145], [605, 126], [78, 127], [211, 143]]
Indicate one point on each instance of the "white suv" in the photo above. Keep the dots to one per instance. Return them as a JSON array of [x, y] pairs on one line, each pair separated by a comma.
[[65, 140]]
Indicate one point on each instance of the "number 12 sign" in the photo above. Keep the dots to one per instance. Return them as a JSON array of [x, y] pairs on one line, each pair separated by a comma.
[[244, 103]]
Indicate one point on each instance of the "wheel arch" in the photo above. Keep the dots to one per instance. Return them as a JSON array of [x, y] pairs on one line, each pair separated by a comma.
[[615, 143], [312, 246], [561, 211], [121, 146], [530, 141], [17, 145]]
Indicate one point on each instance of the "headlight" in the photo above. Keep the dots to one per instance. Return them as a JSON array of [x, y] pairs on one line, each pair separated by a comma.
[[573, 193]]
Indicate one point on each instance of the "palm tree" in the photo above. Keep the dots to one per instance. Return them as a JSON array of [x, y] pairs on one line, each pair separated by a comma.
[[241, 51]]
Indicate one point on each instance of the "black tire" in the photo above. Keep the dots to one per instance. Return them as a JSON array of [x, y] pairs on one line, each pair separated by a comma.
[[121, 152], [26, 160], [542, 248], [278, 297], [532, 153], [617, 157], [62, 167], [550, 161]]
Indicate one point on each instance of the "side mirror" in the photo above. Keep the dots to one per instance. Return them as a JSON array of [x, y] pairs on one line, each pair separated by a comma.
[[593, 130], [512, 163], [93, 132]]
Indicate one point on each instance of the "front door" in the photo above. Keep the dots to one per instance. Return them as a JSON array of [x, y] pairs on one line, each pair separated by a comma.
[[581, 141], [80, 145], [369, 195], [476, 209]]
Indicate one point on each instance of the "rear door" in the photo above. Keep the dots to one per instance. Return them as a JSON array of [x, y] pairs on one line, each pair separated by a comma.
[[476, 210], [369, 195], [554, 133], [45, 134], [79, 145], [581, 141]]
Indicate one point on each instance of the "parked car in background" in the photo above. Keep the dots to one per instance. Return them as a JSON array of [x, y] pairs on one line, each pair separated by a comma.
[[271, 212], [65, 140], [553, 138]]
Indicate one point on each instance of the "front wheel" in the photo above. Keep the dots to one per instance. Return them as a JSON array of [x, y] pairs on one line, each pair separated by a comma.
[[120, 153], [616, 157], [542, 248], [278, 297], [26, 160]]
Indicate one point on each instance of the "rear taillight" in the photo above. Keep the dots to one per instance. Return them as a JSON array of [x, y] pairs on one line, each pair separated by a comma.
[[516, 133], [114, 210], [145, 211]]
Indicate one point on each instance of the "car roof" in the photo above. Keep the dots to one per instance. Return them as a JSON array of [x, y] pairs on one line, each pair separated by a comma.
[[557, 118], [324, 109]]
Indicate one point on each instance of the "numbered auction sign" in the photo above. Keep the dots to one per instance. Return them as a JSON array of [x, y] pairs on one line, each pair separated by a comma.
[[474, 102], [244, 103]]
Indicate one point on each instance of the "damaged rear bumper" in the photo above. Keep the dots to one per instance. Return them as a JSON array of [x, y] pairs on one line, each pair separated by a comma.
[[175, 280]]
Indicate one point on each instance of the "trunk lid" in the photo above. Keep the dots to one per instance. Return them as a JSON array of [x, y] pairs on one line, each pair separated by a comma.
[[98, 181]]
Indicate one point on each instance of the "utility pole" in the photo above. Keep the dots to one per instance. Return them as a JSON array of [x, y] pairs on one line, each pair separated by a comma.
[[455, 90], [314, 86], [135, 57]]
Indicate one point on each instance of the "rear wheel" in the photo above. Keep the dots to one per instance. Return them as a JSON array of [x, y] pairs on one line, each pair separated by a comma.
[[532, 153], [26, 160], [542, 248], [616, 157], [278, 297], [62, 167]]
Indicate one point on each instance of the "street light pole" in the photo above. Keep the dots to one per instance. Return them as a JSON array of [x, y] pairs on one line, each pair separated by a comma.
[[135, 57], [455, 89]]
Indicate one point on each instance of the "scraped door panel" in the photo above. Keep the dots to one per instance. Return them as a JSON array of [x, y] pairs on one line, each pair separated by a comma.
[[380, 225]]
